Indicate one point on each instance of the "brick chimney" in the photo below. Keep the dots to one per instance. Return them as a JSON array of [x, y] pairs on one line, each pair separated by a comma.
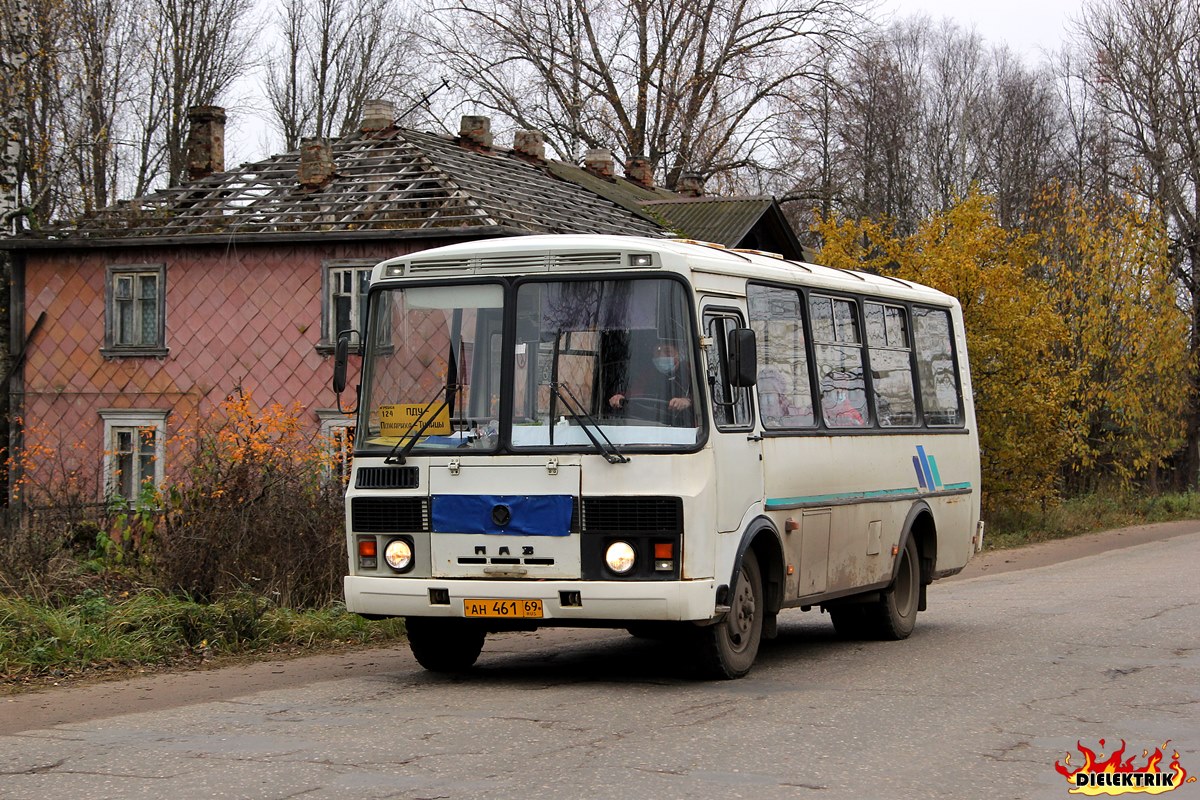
[[638, 170], [205, 141], [599, 162], [691, 184], [476, 130], [316, 163], [531, 144], [378, 115]]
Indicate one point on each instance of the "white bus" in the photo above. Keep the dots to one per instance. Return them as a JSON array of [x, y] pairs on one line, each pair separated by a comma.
[[664, 436]]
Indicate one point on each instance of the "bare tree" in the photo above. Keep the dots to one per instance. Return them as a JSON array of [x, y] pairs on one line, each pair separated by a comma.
[[333, 57], [199, 48], [688, 85], [1146, 57]]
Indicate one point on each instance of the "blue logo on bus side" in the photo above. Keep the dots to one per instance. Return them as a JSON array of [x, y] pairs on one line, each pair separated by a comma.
[[927, 470]]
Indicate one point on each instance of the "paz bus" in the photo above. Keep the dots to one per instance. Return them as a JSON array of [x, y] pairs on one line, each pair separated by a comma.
[[665, 436]]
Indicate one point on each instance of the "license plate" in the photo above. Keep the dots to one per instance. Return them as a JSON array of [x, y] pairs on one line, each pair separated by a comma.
[[507, 609]]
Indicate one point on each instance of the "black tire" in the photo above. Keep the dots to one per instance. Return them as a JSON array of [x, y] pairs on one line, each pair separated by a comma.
[[727, 649], [444, 645], [894, 615]]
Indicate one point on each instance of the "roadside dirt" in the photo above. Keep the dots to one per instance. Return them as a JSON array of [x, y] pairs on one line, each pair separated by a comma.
[[90, 700]]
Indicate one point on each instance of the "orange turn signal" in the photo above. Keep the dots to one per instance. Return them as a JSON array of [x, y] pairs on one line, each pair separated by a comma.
[[664, 550], [366, 548]]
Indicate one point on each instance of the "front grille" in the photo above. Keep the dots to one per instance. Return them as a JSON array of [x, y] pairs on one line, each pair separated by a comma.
[[388, 478], [389, 514], [632, 515]]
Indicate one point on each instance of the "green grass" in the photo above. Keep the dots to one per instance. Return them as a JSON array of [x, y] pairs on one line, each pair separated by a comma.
[[1087, 514], [94, 633]]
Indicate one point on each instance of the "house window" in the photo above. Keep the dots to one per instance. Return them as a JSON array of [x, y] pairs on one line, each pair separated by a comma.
[[134, 442], [135, 311], [344, 299], [337, 431]]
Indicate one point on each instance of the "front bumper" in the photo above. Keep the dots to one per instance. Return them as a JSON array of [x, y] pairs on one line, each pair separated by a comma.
[[600, 600]]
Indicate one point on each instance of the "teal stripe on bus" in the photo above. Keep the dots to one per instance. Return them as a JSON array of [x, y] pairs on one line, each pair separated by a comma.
[[908, 491]]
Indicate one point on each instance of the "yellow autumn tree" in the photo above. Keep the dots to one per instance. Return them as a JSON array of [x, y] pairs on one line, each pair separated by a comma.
[[1124, 356], [1013, 332]]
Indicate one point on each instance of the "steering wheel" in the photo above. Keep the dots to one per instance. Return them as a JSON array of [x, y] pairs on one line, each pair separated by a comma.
[[654, 409]]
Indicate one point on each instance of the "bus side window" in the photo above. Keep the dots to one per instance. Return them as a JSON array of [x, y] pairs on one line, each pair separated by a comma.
[[784, 389], [839, 359], [731, 406], [935, 367], [891, 365]]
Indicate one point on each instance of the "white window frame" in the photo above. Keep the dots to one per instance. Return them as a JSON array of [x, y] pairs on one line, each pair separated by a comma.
[[331, 421], [330, 271], [123, 419]]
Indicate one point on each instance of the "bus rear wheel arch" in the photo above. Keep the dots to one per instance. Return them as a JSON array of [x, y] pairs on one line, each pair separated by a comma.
[[892, 613]]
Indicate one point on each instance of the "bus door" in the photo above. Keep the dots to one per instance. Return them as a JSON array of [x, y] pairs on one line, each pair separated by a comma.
[[737, 448]]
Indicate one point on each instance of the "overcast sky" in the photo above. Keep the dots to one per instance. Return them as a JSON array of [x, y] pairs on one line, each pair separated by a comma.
[[1030, 27]]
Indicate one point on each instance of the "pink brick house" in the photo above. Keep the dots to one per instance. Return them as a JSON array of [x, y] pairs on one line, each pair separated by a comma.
[[131, 323]]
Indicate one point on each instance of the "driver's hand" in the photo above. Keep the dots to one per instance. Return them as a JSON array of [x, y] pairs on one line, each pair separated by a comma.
[[616, 401], [679, 404]]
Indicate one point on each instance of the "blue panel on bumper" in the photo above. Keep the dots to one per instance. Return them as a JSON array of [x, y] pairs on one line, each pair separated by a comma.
[[523, 515]]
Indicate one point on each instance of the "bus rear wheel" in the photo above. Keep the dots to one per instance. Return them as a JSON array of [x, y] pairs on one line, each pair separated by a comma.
[[728, 649], [894, 615], [444, 645]]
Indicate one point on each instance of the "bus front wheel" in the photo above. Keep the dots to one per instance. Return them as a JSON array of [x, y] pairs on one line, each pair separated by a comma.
[[728, 648], [444, 645]]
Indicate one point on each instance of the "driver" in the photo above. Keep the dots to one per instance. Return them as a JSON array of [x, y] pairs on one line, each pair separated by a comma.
[[667, 383]]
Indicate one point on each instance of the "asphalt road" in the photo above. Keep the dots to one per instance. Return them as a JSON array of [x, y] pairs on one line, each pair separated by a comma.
[[1005, 673]]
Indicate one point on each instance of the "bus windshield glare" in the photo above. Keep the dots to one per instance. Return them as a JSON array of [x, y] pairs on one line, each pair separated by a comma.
[[594, 365]]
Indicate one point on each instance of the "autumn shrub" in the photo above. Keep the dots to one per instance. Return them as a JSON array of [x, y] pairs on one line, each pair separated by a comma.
[[51, 532], [255, 510]]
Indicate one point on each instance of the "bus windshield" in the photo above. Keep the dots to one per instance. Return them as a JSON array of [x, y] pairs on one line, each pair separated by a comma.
[[595, 366], [610, 358]]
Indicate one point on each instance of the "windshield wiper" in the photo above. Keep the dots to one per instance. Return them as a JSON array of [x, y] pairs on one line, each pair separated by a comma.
[[447, 392], [586, 423]]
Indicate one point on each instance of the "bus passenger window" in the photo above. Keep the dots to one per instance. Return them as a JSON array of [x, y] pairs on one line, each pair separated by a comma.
[[839, 361], [935, 367], [784, 389], [891, 365]]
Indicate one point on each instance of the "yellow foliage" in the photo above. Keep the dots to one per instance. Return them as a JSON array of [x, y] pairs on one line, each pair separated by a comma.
[[1012, 331], [1125, 356]]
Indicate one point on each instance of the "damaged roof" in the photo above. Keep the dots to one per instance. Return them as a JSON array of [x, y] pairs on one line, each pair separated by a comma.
[[393, 180]]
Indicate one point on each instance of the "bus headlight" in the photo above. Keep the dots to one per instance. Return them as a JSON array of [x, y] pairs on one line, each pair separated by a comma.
[[398, 554], [620, 557]]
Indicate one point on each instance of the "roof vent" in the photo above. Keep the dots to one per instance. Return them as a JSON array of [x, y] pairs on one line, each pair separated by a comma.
[[476, 130], [205, 141], [378, 115], [531, 144], [316, 163], [599, 162]]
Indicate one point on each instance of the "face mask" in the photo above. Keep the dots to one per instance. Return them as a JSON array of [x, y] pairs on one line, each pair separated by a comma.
[[665, 364]]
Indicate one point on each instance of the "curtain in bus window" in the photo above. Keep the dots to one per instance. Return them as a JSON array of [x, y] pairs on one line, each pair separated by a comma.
[[783, 386], [935, 365], [840, 375], [891, 365]]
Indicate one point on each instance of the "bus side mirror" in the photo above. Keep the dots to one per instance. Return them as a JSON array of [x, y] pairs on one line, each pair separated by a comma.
[[743, 358], [341, 352]]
